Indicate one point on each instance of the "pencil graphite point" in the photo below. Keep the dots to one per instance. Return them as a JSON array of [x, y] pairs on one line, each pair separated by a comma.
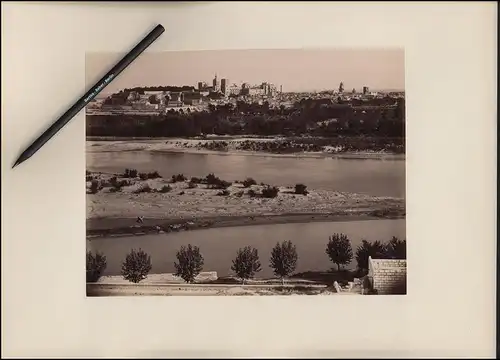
[[19, 160]]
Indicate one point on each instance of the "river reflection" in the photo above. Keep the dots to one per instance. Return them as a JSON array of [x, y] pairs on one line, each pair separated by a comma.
[[219, 245], [369, 176]]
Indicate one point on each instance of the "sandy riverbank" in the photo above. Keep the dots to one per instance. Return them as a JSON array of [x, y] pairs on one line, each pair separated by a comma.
[[232, 147], [184, 207]]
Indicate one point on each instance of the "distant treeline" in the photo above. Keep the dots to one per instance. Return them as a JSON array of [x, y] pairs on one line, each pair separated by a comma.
[[313, 117]]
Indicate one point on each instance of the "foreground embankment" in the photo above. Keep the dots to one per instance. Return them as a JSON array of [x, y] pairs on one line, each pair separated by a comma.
[[207, 283], [95, 290]]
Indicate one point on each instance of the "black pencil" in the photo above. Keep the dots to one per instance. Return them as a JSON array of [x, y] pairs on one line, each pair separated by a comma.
[[92, 93]]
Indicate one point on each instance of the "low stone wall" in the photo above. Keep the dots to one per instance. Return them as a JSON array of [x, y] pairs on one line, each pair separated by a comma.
[[387, 276]]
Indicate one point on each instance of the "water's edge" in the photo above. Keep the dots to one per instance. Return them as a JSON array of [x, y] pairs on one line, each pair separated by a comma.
[[115, 227]]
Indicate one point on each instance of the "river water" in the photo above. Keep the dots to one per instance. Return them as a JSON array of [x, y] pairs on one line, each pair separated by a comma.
[[368, 176], [219, 245]]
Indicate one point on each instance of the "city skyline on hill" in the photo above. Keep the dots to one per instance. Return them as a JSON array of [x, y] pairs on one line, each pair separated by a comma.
[[297, 70]]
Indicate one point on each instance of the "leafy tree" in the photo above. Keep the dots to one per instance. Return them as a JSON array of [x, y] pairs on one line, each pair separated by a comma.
[[95, 266], [376, 250], [284, 259], [190, 263], [339, 250], [136, 266], [396, 249], [246, 263]]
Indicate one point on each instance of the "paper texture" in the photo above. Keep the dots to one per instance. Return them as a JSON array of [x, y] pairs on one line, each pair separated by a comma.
[[450, 182]]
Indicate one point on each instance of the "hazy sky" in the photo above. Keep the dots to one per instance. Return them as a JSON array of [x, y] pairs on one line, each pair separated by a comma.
[[296, 70]]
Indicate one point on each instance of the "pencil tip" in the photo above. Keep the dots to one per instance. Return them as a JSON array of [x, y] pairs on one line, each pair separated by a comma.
[[16, 163]]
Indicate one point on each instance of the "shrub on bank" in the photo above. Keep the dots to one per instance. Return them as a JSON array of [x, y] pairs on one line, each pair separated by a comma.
[[118, 184], [154, 175], [195, 180], [124, 183], [270, 192], [114, 181], [300, 189], [211, 179], [249, 182], [213, 182], [178, 178], [96, 264], [252, 193], [165, 189], [136, 266], [222, 184], [130, 173]]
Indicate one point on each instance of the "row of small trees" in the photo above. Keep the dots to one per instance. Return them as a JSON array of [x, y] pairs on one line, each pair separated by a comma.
[[246, 264]]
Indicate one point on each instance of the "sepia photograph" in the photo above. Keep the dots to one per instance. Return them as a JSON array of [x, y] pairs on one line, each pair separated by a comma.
[[247, 173]]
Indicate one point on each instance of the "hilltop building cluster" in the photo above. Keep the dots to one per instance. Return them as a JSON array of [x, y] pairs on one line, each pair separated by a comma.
[[155, 100]]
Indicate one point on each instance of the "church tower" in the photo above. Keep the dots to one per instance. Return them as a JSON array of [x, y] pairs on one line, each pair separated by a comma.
[[216, 83]]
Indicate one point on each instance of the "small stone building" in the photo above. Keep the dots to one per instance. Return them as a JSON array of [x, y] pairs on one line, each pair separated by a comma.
[[387, 276]]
